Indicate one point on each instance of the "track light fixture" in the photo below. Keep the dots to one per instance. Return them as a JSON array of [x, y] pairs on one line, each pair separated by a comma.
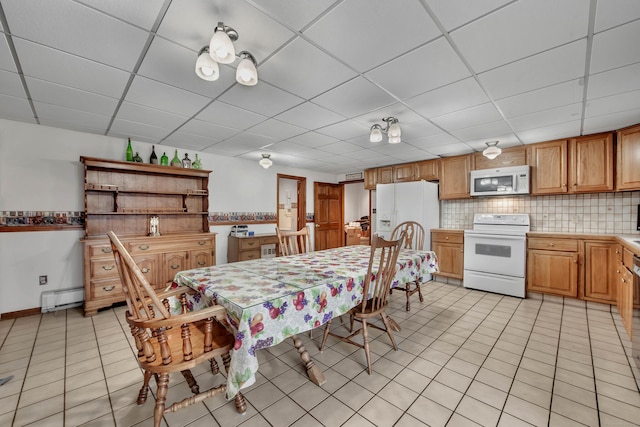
[[265, 162], [222, 51], [492, 151], [391, 129]]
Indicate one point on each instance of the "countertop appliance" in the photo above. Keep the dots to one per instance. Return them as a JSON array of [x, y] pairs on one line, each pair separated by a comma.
[[501, 181], [495, 253], [635, 324], [407, 201]]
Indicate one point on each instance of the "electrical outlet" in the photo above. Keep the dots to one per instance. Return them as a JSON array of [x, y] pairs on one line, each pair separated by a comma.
[[43, 280]]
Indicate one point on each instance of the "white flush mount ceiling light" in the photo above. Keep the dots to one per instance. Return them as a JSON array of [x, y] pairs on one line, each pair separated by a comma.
[[222, 51], [492, 151], [391, 129], [265, 162]]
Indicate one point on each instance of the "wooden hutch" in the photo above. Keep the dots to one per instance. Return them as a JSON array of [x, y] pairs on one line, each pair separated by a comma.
[[123, 197]]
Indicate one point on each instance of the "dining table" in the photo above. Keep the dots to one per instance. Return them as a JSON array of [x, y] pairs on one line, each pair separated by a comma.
[[268, 300]]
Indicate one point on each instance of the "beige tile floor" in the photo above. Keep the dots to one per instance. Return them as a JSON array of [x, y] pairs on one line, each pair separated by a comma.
[[466, 358]]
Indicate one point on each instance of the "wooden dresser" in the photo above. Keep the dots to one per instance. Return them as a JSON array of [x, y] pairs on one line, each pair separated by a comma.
[[123, 197], [243, 248]]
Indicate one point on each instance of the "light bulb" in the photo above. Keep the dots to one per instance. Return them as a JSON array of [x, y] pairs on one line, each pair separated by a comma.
[[376, 134], [221, 47], [206, 68], [394, 130], [246, 74]]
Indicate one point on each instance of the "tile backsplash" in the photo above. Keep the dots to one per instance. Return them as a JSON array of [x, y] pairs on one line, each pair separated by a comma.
[[609, 213]]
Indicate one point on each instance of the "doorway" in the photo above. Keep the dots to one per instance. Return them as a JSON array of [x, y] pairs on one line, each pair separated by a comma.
[[292, 202]]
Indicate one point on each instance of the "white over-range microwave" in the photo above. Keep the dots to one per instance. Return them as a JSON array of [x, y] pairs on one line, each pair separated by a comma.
[[501, 181]]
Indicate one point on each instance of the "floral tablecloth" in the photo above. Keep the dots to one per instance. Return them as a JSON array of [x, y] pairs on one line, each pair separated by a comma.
[[270, 299]]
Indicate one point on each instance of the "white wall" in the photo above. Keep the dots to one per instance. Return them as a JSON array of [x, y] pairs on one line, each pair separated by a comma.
[[40, 170], [356, 201]]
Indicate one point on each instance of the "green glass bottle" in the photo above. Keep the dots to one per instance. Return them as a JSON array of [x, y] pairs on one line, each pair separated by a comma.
[[137, 158], [129, 152], [164, 160], [196, 163], [176, 160], [153, 159]]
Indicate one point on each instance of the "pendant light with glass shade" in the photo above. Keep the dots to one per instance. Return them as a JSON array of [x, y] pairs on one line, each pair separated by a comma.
[[221, 45], [492, 151], [246, 73], [265, 162], [206, 68], [392, 130]]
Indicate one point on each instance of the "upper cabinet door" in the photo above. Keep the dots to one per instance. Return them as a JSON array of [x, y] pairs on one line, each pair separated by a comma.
[[385, 175], [454, 177], [591, 163], [404, 173], [429, 170], [513, 156], [548, 162], [370, 179], [628, 159]]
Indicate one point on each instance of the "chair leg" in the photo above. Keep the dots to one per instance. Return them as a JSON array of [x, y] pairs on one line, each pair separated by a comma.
[[387, 324], [408, 291], [419, 290], [193, 384], [351, 320], [325, 335], [214, 366], [241, 405], [144, 391], [161, 398], [365, 338]]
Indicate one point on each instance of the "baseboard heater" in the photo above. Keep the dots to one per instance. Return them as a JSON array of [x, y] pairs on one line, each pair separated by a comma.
[[62, 299]]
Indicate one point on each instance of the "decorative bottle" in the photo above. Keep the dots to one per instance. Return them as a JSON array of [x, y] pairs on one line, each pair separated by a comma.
[[176, 160], [186, 162], [164, 160], [153, 159], [129, 152], [137, 158], [196, 163]]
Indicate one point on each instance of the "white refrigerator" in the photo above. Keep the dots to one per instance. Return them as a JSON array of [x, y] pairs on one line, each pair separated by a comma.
[[407, 201]]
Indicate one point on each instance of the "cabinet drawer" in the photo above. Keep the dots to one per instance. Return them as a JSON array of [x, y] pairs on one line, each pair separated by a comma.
[[106, 288], [249, 244], [565, 245], [447, 237], [247, 255], [269, 240], [103, 268], [102, 249]]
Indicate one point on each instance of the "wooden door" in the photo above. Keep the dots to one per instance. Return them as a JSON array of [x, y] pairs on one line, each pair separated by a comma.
[[628, 159], [328, 213], [591, 163], [548, 162], [552, 272], [600, 260]]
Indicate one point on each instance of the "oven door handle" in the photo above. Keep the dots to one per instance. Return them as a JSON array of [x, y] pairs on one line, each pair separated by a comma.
[[494, 236]]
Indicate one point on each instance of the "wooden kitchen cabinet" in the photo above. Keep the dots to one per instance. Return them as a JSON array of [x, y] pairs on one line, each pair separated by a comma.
[[454, 177], [591, 163], [623, 276], [385, 175], [428, 170], [628, 159], [243, 248], [370, 179], [601, 258], [512, 156], [548, 161], [405, 173], [122, 197], [448, 246], [553, 266]]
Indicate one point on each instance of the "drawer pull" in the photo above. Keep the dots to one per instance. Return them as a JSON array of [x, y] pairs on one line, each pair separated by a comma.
[[145, 270], [143, 247], [446, 238], [106, 250], [107, 267], [201, 243], [108, 288], [175, 266], [251, 243], [201, 263]]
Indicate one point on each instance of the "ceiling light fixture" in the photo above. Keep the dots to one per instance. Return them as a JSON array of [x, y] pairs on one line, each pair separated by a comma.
[[391, 129], [492, 151], [222, 51], [265, 162]]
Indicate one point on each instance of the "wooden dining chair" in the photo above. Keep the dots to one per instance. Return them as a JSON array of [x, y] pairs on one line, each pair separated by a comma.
[[380, 274], [413, 239], [294, 242], [169, 343]]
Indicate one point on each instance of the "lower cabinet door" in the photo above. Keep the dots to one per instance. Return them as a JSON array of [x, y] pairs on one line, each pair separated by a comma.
[[552, 272], [172, 263]]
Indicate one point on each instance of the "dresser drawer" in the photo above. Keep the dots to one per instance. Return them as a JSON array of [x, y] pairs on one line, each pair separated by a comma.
[[247, 255], [100, 250], [111, 288], [269, 240], [103, 268], [565, 245], [444, 237], [247, 244]]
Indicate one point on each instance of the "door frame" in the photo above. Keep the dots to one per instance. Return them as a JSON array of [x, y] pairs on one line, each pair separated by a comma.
[[301, 199]]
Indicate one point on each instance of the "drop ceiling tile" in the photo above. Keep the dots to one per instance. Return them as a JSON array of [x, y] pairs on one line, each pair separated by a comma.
[[151, 116], [505, 36], [340, 147], [615, 48], [612, 13], [487, 131], [454, 13], [93, 35], [552, 96], [294, 13], [345, 130], [393, 149], [418, 130], [312, 140], [142, 14], [505, 141], [305, 70], [355, 97], [174, 65], [609, 122], [58, 67], [454, 97], [247, 141], [164, 97], [397, 110], [478, 115], [127, 127], [413, 155], [314, 154], [367, 33], [451, 149], [367, 156], [214, 133], [11, 84], [6, 59], [127, 133], [426, 68], [549, 117], [276, 129], [538, 71], [185, 141], [549, 133], [67, 118], [14, 108], [310, 116], [257, 32], [229, 148], [230, 116], [425, 143], [287, 147], [263, 99], [620, 80], [65, 96], [613, 104]]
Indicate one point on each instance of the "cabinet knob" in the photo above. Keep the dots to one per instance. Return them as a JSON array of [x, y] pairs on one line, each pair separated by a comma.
[[201, 263], [143, 247], [551, 244], [108, 288], [106, 250], [201, 243], [145, 270], [175, 266], [446, 238], [107, 267]]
